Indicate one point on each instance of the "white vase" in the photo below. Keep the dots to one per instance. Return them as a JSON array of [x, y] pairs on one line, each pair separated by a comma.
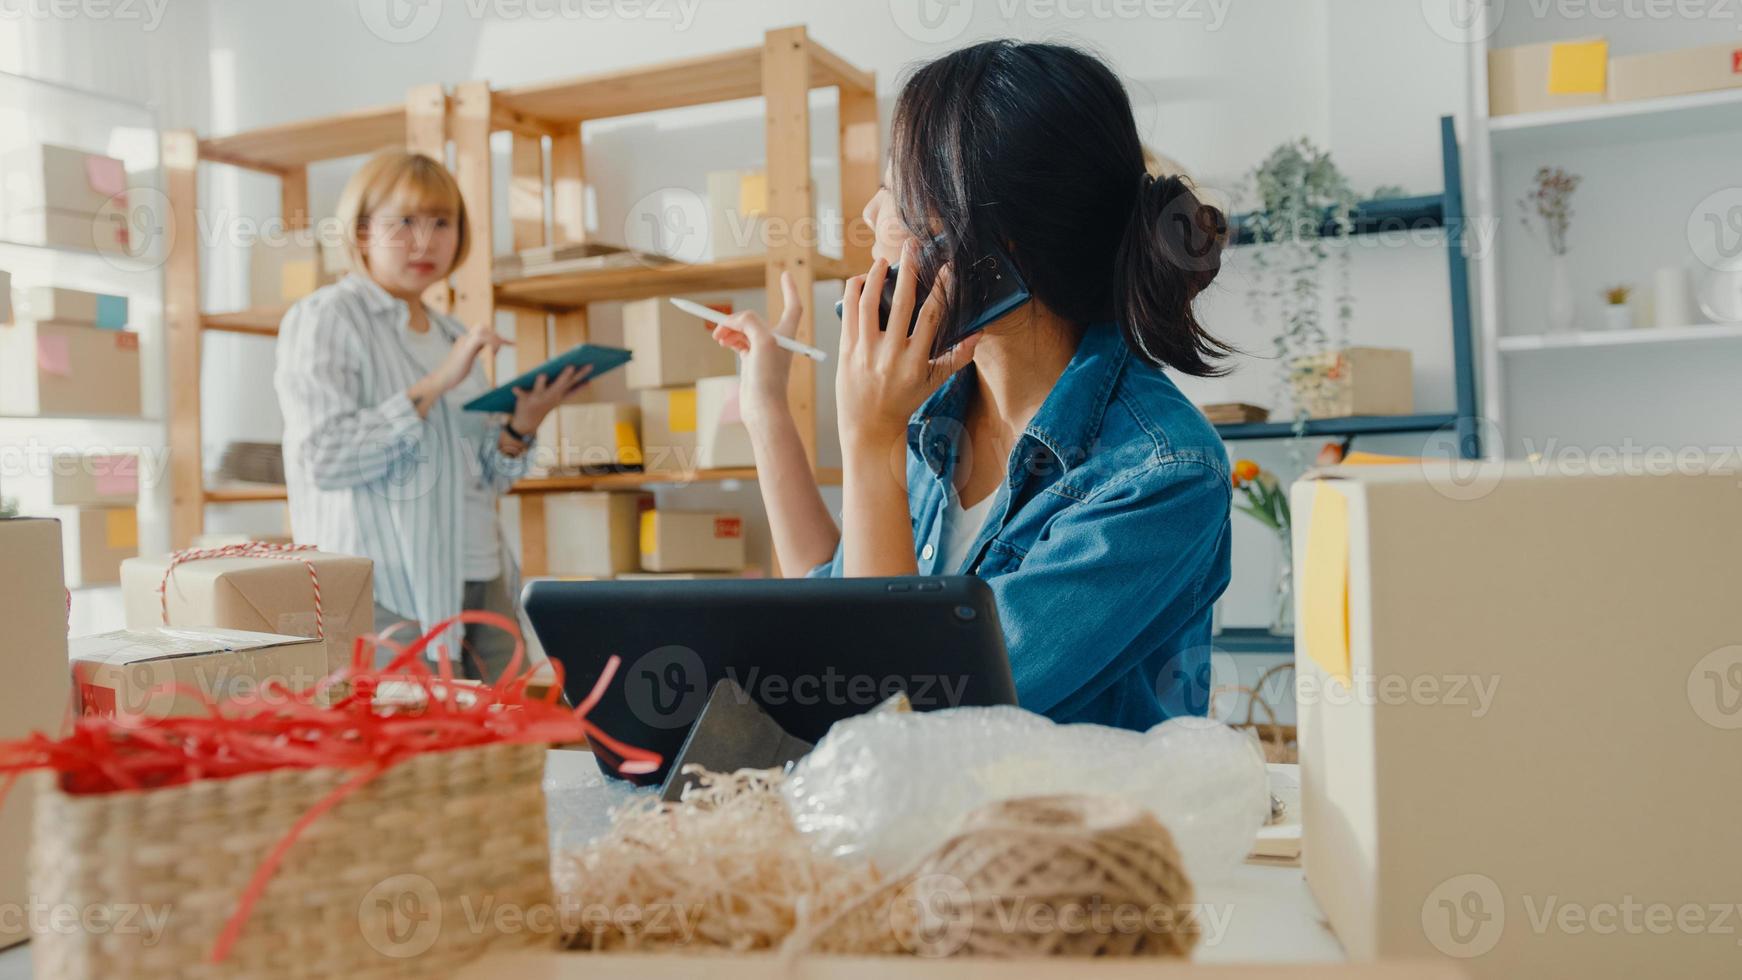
[[1617, 317], [1560, 296]]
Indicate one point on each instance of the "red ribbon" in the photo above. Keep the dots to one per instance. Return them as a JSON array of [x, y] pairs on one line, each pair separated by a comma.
[[134, 752]]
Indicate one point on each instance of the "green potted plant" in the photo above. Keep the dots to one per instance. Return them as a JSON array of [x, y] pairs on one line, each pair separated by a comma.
[[1301, 204]]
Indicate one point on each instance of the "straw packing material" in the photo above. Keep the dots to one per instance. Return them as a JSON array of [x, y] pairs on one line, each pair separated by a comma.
[[723, 869], [388, 883], [1067, 875]]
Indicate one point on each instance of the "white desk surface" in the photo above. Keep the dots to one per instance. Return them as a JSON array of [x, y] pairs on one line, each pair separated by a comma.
[[1258, 914]]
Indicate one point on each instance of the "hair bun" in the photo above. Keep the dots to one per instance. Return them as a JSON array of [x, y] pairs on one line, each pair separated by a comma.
[[1189, 234]]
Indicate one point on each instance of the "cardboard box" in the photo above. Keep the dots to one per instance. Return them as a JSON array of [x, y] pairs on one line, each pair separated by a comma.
[[599, 435], [1664, 73], [1354, 381], [60, 369], [1552, 75], [550, 965], [691, 541], [123, 671], [78, 480], [43, 175], [94, 542], [593, 534], [35, 695], [671, 347], [1518, 691], [286, 266], [737, 208], [73, 306], [259, 595], [104, 232], [722, 440], [668, 429]]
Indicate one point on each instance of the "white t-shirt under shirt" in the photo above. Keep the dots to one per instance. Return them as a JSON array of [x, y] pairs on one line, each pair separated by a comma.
[[961, 527], [481, 554]]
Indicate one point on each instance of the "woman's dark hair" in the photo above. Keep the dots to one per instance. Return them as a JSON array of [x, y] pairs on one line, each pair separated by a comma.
[[1032, 148]]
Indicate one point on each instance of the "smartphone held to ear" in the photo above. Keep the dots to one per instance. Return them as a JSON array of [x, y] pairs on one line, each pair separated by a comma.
[[992, 284]]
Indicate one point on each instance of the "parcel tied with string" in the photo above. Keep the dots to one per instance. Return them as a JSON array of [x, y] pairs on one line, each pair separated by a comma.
[[355, 839]]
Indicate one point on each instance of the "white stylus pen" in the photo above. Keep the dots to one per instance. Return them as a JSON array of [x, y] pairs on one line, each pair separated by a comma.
[[715, 316]]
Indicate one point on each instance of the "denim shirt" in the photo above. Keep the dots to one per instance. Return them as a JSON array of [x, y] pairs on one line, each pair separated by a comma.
[[1106, 545]]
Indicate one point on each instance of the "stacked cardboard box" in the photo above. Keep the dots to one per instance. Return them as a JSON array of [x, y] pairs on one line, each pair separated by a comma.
[[130, 670], [64, 198], [598, 436], [722, 440], [94, 497], [34, 697], [288, 264], [593, 535], [68, 352], [691, 541]]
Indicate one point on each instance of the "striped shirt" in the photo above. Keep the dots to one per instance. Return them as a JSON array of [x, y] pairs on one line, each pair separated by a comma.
[[366, 475]]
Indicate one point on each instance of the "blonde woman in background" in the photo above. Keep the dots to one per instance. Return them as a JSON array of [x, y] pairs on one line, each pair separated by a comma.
[[380, 459]]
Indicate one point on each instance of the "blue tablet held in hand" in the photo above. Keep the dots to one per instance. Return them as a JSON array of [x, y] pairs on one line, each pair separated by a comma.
[[602, 359]]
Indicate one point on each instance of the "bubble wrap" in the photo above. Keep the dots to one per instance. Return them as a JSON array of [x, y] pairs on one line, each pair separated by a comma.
[[892, 787]]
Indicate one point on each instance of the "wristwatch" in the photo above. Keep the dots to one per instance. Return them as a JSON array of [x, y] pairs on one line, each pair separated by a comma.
[[524, 440]]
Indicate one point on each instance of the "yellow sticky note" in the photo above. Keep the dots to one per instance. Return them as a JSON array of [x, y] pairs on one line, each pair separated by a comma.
[[1578, 68], [1359, 458], [681, 410], [122, 525], [1325, 588], [752, 192], [628, 444], [649, 533]]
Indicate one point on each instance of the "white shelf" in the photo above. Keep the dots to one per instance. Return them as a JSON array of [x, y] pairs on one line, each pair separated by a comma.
[[1618, 122], [1621, 338]]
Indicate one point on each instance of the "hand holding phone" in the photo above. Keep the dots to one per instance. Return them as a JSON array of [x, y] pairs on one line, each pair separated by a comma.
[[992, 284]]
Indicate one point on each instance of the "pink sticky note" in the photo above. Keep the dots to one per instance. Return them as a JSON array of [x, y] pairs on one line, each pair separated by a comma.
[[729, 411], [52, 356], [117, 476], [106, 175]]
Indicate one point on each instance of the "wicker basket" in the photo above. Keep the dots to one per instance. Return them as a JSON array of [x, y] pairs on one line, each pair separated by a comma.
[[422, 869], [1281, 743]]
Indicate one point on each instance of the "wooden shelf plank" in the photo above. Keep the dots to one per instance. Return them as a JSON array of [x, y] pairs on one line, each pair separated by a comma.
[[827, 476], [260, 322], [1621, 338], [574, 290], [289, 145], [242, 493], [720, 77]]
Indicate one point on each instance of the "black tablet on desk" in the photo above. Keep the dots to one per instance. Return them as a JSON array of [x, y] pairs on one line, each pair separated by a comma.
[[809, 651]]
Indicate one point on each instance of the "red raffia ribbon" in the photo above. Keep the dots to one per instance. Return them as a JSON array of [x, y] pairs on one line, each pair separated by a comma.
[[135, 752], [251, 549]]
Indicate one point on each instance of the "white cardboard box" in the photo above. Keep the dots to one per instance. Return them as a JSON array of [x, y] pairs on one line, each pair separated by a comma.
[[1541, 712], [722, 439]]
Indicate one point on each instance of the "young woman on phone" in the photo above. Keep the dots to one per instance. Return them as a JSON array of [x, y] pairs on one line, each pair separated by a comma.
[[379, 458], [1049, 453]]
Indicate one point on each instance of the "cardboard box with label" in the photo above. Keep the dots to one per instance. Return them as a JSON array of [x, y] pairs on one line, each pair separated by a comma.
[[73, 306], [1520, 691], [104, 232], [78, 480], [126, 671], [598, 436], [60, 369], [60, 178], [722, 440], [594, 534], [671, 347], [1552, 75], [1662, 74], [288, 265], [94, 542], [691, 541], [737, 208], [668, 429], [1354, 381], [35, 694], [260, 595]]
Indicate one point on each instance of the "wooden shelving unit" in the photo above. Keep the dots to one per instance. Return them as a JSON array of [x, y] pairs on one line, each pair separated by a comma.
[[550, 310]]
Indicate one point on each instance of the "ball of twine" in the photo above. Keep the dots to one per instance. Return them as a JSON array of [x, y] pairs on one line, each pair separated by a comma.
[[1040, 876]]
